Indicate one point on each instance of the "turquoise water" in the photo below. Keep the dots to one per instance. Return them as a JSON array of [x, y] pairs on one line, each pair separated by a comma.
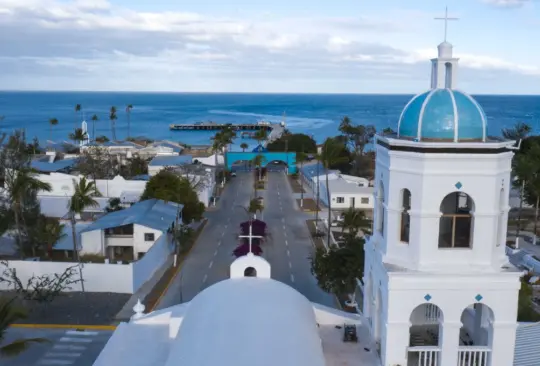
[[314, 114]]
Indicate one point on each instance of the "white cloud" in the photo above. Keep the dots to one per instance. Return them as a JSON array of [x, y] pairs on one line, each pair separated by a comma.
[[93, 39], [507, 3]]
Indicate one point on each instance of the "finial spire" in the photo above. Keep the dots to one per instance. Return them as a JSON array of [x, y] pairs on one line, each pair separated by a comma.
[[250, 236], [446, 19]]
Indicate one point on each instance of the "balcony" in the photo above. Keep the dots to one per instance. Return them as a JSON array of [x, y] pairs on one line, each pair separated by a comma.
[[119, 240], [474, 356], [423, 356]]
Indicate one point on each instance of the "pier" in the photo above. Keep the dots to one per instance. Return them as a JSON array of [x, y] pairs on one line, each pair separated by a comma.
[[212, 126], [274, 130]]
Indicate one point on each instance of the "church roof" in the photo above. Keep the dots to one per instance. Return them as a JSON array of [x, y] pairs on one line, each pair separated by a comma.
[[222, 321], [443, 115]]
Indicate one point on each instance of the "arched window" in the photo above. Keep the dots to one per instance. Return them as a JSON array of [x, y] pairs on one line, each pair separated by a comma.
[[380, 208], [250, 272], [448, 75], [500, 225], [405, 217], [455, 228], [425, 332]]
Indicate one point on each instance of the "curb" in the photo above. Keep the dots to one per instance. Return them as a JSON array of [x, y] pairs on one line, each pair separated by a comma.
[[178, 268], [65, 326]]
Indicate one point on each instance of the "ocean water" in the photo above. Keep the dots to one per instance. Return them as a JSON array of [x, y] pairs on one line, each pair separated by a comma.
[[314, 114]]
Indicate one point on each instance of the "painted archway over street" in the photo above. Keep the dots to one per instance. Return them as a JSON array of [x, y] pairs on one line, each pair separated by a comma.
[[288, 158]]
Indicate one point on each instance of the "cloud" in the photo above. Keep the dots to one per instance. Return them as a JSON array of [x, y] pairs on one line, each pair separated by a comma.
[[507, 3], [101, 46]]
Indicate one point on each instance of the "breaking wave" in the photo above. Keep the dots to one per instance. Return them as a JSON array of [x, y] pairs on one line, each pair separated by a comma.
[[294, 122]]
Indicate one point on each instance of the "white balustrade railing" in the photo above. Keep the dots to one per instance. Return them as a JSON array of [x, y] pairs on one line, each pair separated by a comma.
[[423, 356], [473, 356]]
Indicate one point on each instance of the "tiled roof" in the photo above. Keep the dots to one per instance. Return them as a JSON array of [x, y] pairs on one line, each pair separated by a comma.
[[171, 160], [153, 213]]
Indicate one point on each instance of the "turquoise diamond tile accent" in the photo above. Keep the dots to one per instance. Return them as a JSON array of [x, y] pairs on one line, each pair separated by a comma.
[[478, 297], [427, 297], [458, 185]]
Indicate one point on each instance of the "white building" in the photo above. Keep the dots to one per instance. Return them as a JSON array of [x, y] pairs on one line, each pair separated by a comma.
[[438, 286], [242, 321], [314, 174], [344, 195], [131, 232]]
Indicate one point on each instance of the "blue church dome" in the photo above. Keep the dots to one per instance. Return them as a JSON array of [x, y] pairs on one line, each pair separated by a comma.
[[443, 115]]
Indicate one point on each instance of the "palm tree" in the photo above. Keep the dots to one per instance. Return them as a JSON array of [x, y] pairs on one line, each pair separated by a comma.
[[244, 146], [47, 232], [331, 155], [261, 135], [17, 187], [94, 120], [519, 132], [301, 157], [355, 220], [77, 112], [83, 197], [255, 205], [78, 135], [9, 314], [113, 117], [52, 122], [258, 161], [129, 107]]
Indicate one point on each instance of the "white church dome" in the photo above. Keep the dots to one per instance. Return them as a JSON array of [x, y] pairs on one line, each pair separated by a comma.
[[248, 321]]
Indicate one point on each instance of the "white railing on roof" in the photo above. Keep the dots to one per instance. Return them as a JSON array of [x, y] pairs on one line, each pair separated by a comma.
[[473, 356], [423, 356]]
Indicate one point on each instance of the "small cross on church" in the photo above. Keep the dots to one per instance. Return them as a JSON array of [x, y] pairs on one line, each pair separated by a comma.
[[446, 19], [250, 236]]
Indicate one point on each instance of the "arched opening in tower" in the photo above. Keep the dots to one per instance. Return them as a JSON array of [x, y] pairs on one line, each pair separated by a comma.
[[250, 272], [448, 75]]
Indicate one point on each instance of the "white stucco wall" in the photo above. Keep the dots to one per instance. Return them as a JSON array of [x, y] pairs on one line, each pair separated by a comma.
[[93, 242], [62, 185], [347, 200], [139, 244], [399, 276]]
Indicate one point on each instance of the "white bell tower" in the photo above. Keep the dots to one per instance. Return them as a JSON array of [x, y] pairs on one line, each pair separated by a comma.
[[444, 67], [439, 290]]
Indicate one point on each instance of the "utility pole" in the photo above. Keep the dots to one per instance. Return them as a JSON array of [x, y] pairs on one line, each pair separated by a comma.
[[317, 194]]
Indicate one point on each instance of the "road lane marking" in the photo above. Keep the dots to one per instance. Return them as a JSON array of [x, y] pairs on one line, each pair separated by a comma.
[[227, 225], [281, 208], [290, 265], [83, 333], [215, 253], [288, 253], [283, 229], [292, 278], [63, 354], [70, 347], [223, 234], [211, 263], [278, 193], [56, 362], [283, 220], [219, 243], [75, 340], [286, 242], [204, 279]]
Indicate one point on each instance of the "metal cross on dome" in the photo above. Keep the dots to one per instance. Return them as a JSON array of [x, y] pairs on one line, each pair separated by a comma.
[[446, 19], [250, 236]]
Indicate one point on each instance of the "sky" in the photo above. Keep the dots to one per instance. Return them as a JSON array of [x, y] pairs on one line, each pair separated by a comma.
[[278, 46]]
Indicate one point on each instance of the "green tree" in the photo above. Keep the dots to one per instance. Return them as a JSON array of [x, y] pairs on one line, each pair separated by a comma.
[[129, 107], [78, 109], [102, 139], [244, 146], [114, 205], [169, 187], [133, 167], [95, 118], [337, 269], [9, 314], [261, 136], [82, 198], [20, 187], [113, 117], [526, 311], [78, 135], [355, 220], [52, 122], [255, 205], [297, 142], [527, 170], [258, 161], [358, 136], [332, 155], [46, 233]]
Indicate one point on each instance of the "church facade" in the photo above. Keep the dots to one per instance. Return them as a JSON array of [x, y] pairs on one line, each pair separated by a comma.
[[438, 286]]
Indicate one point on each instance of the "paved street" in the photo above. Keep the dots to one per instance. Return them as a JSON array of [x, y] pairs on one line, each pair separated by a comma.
[[65, 347], [288, 249]]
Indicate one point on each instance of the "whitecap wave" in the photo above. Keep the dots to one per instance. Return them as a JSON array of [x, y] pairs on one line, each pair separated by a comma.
[[294, 122]]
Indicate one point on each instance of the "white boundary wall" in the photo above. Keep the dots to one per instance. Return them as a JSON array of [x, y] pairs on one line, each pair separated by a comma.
[[100, 277]]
